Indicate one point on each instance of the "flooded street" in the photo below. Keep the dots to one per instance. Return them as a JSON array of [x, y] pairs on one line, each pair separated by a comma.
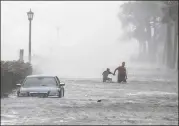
[[149, 97], [84, 43]]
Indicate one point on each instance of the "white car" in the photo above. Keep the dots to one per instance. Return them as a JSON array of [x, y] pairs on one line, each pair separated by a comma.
[[41, 85]]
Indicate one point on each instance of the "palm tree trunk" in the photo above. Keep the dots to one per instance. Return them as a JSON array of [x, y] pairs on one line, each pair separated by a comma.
[[175, 45], [169, 46], [140, 57], [164, 56], [165, 53]]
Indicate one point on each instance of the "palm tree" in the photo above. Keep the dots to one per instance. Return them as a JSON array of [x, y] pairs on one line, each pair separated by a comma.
[[143, 17], [170, 19]]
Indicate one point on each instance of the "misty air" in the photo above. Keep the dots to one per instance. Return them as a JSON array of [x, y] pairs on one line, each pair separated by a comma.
[[89, 62]]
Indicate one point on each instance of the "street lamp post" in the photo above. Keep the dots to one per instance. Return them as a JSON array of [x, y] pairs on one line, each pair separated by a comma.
[[30, 17]]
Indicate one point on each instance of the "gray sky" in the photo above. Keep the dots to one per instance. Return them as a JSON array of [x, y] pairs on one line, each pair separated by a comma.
[[87, 39]]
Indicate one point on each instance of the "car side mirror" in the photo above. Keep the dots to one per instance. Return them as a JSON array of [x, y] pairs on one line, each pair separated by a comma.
[[62, 84], [18, 85]]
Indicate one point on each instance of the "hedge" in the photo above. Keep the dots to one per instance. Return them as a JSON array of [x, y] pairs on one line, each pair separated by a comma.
[[13, 72]]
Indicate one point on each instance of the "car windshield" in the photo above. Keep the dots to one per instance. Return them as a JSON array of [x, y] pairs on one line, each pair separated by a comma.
[[40, 81]]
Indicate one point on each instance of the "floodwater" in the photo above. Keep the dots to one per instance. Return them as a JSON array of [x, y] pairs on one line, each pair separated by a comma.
[[149, 97]]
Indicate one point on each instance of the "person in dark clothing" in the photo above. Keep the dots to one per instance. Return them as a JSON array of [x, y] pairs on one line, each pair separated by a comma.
[[122, 75], [105, 75]]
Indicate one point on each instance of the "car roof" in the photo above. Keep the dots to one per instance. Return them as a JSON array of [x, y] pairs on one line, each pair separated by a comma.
[[41, 75]]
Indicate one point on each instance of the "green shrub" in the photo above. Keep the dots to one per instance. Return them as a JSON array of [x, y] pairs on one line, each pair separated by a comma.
[[13, 72]]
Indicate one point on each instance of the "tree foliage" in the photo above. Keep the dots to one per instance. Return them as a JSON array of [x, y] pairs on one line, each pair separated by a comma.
[[138, 17], [145, 21]]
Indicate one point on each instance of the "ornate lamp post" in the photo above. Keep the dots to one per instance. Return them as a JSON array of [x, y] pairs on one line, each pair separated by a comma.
[[30, 17]]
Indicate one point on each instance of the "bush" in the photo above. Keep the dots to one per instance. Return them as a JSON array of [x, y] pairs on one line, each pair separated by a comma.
[[13, 72]]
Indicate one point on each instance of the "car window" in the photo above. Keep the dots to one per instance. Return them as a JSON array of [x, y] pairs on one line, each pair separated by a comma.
[[39, 81], [58, 79]]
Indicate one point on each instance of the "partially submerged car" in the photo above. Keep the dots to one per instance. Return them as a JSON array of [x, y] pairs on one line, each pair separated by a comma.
[[41, 86]]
